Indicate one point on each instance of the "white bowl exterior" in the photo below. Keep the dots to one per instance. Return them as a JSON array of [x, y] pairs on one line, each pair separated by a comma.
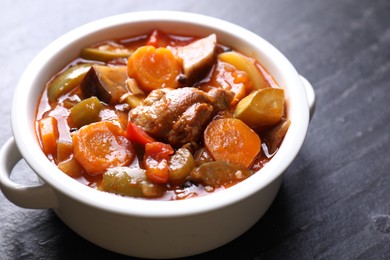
[[159, 229]]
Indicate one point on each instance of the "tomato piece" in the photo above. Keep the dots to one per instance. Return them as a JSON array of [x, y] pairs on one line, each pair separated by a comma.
[[159, 39], [137, 135], [156, 161]]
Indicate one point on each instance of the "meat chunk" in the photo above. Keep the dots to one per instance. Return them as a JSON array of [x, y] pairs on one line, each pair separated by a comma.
[[190, 124], [179, 115], [198, 57]]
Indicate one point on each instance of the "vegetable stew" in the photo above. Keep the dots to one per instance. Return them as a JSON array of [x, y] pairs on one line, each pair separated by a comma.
[[161, 116]]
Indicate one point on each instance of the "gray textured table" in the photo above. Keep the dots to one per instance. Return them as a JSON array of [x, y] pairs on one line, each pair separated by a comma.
[[334, 202]]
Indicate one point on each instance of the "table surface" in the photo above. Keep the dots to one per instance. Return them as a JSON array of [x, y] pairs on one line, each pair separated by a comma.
[[334, 202]]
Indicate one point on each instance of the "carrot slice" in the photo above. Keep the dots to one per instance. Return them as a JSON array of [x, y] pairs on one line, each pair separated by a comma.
[[102, 145], [154, 68], [48, 130], [231, 140]]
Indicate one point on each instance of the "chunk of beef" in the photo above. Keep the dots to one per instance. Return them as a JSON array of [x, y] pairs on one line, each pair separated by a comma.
[[190, 124], [179, 115]]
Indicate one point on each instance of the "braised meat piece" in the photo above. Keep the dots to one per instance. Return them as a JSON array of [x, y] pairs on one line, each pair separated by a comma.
[[179, 115]]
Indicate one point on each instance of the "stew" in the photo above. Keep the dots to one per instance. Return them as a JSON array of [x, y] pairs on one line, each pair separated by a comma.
[[161, 116]]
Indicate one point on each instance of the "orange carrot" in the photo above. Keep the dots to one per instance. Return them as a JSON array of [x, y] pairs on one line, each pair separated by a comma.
[[48, 131], [154, 68], [231, 140], [102, 145]]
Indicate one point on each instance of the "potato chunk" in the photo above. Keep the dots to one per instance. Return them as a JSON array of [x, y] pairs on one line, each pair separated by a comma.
[[198, 57], [261, 108]]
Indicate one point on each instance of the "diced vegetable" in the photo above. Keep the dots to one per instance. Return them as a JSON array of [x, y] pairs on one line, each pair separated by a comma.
[[261, 108], [228, 77], [202, 156], [137, 135], [246, 64], [134, 100], [86, 112], [217, 174], [198, 57], [231, 140], [129, 182], [48, 130], [64, 150], [71, 167], [154, 68], [136, 94], [180, 166], [132, 85], [105, 53], [123, 119], [102, 145], [107, 83], [274, 136], [156, 161], [66, 81], [158, 39]]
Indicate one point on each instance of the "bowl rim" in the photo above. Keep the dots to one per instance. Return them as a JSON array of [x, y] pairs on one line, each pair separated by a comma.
[[66, 186]]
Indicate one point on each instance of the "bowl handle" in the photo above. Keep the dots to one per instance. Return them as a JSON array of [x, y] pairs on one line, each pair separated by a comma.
[[311, 95], [34, 197]]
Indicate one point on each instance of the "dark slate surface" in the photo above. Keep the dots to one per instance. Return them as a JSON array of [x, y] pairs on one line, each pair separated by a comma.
[[334, 202]]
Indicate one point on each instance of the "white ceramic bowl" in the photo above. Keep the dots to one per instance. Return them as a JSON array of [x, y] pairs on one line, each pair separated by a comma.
[[147, 228]]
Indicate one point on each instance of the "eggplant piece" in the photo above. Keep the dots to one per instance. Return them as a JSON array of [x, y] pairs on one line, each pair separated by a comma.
[[218, 173], [107, 83], [198, 57]]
